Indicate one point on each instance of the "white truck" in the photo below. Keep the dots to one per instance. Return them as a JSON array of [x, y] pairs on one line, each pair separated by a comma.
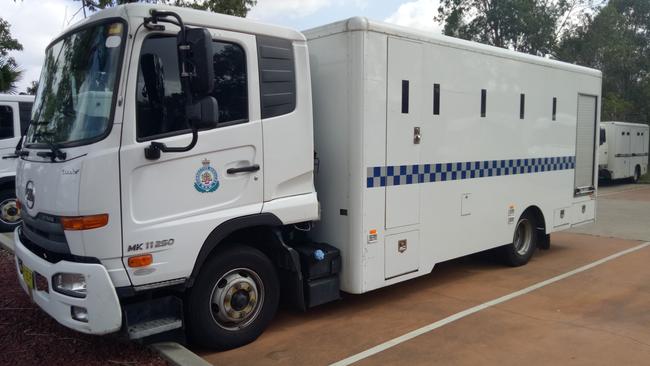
[[189, 169], [14, 118], [623, 151]]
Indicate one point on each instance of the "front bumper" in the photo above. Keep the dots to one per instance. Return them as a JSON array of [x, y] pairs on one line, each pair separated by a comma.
[[101, 301]]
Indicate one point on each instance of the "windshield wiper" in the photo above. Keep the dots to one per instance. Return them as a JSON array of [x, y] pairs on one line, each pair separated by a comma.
[[55, 149], [18, 151]]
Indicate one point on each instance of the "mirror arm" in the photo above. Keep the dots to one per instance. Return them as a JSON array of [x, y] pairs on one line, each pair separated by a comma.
[[154, 150]]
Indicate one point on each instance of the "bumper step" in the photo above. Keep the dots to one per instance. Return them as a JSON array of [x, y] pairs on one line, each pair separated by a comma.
[[153, 316], [156, 326]]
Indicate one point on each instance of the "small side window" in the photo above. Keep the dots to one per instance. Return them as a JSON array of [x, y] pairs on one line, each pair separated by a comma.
[[483, 102], [405, 96], [6, 122], [436, 99], [522, 105], [603, 136], [554, 107]]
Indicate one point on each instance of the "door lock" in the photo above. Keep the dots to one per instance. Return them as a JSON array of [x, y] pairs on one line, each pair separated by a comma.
[[417, 137]]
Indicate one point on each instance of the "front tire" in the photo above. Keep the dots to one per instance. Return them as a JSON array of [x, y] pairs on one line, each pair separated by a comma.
[[9, 212], [524, 242], [234, 299]]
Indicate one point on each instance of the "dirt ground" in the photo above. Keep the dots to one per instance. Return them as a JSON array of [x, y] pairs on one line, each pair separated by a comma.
[[28, 336]]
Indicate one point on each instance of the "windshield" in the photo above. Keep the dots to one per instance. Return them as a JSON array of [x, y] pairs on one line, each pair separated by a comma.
[[75, 92]]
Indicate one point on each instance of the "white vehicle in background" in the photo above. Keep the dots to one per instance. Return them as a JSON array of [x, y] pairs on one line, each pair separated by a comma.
[[194, 167], [15, 111], [623, 151]]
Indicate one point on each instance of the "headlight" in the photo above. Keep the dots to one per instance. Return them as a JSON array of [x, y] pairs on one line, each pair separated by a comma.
[[71, 284]]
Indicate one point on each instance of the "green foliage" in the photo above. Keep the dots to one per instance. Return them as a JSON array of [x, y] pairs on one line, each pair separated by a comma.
[[531, 26], [9, 72], [9, 75], [231, 7], [7, 43], [617, 42], [32, 88]]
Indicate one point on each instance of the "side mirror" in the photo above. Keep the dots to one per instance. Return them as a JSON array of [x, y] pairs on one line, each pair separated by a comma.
[[198, 60], [204, 113]]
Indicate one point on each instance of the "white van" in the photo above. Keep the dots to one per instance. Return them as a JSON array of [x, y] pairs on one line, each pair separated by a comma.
[[623, 151], [15, 112]]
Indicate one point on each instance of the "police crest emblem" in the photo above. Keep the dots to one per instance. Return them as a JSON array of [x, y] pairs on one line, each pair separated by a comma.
[[206, 179]]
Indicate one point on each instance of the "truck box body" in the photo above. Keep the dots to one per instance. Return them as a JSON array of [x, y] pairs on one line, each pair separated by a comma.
[[624, 149], [395, 206]]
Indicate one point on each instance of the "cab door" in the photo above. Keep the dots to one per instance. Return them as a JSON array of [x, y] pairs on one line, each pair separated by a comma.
[[170, 205]]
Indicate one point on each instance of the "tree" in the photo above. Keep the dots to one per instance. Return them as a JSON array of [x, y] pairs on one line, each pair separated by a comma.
[[230, 7], [9, 71], [531, 26], [616, 41], [32, 88]]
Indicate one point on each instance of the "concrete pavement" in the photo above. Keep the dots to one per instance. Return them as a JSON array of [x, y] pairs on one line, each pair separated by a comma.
[[598, 316], [623, 211]]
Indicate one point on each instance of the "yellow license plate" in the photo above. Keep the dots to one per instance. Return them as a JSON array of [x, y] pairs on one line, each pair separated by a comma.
[[28, 276]]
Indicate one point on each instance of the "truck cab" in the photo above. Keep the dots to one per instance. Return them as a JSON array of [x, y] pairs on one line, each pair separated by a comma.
[[160, 134]]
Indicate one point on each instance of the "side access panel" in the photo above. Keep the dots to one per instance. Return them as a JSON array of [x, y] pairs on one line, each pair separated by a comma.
[[402, 124], [586, 128], [401, 251]]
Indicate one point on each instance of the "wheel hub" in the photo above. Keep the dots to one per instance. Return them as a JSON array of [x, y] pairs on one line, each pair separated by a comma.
[[523, 236], [9, 212], [237, 299]]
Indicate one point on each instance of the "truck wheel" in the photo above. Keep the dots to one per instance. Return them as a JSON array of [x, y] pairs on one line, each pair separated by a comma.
[[637, 174], [523, 244], [234, 298], [9, 212]]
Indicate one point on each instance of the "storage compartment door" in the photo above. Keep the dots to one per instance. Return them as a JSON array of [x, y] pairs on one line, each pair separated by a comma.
[[403, 120], [585, 143], [623, 150], [401, 253]]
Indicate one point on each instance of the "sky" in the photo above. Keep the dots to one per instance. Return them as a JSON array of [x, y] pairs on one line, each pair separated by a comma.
[[36, 22]]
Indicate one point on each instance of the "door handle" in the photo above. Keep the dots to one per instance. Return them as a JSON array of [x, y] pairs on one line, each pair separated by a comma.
[[12, 156], [417, 136], [244, 169]]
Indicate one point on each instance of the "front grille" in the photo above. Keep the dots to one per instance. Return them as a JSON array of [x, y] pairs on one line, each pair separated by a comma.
[[51, 256]]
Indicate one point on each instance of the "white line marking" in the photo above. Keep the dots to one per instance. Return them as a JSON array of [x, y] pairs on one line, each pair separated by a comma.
[[621, 191], [428, 328]]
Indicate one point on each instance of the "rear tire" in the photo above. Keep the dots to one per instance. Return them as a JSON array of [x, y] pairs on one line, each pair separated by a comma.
[[235, 297], [524, 242], [9, 213], [637, 174]]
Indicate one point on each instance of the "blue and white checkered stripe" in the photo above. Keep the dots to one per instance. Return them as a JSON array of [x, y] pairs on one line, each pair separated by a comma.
[[382, 176]]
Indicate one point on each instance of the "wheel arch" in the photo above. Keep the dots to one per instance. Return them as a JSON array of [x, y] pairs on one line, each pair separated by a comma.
[[543, 237], [254, 230], [7, 182]]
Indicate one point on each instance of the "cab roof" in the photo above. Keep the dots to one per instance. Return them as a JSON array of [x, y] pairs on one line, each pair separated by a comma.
[[193, 17], [16, 98]]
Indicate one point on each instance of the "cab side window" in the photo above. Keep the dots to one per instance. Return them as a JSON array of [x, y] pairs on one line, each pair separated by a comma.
[[6, 122], [159, 100]]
